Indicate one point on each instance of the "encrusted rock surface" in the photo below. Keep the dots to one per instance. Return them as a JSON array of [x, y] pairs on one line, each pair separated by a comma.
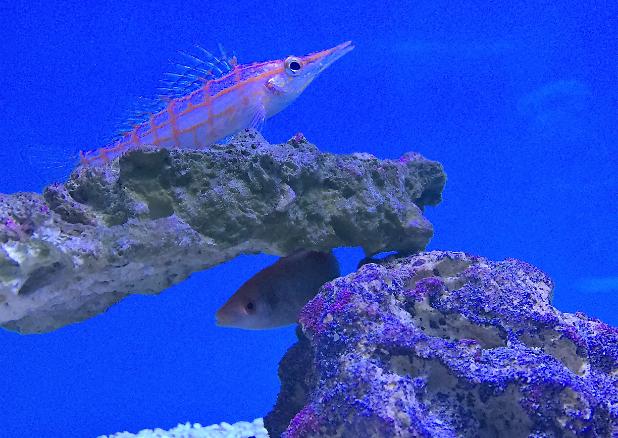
[[446, 344], [151, 218]]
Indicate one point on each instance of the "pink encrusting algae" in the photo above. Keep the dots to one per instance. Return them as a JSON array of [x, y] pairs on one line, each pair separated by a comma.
[[242, 98]]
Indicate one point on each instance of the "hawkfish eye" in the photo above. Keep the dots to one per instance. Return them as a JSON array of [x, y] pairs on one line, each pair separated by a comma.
[[293, 65]]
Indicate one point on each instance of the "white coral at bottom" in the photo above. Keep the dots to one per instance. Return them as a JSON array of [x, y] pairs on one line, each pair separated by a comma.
[[242, 429]]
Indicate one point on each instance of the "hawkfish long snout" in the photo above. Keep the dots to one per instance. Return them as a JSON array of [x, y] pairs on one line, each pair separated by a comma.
[[296, 73], [274, 296]]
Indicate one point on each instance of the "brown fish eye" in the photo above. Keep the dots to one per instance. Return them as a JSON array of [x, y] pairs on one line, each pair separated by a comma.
[[293, 65]]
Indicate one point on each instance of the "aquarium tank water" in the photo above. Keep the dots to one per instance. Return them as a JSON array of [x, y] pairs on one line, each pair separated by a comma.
[[518, 101]]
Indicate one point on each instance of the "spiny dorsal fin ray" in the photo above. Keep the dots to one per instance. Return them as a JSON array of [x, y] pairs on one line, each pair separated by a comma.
[[194, 70], [139, 112], [191, 71]]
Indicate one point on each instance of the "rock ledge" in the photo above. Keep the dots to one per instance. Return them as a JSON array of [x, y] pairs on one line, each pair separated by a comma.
[[153, 217]]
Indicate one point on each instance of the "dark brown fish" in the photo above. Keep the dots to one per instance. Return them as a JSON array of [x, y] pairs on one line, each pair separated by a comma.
[[274, 296]]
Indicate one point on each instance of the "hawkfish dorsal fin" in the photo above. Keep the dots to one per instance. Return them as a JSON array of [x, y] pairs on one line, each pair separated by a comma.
[[138, 113], [193, 69]]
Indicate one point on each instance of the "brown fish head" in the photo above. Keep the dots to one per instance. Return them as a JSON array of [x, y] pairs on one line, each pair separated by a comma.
[[246, 309], [274, 296]]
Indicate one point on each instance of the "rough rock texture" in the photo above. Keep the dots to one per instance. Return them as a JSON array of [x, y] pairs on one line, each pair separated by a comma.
[[445, 344], [150, 219]]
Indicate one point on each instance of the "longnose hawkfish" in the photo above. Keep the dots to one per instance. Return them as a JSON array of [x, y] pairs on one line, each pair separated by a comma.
[[228, 98]]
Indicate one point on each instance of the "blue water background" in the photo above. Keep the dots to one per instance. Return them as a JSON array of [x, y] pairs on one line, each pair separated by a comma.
[[517, 99]]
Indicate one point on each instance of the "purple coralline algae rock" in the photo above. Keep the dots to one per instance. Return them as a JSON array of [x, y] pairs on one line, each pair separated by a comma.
[[445, 344], [151, 218]]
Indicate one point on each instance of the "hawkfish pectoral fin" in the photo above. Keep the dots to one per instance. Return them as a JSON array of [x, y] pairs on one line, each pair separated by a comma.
[[259, 117]]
